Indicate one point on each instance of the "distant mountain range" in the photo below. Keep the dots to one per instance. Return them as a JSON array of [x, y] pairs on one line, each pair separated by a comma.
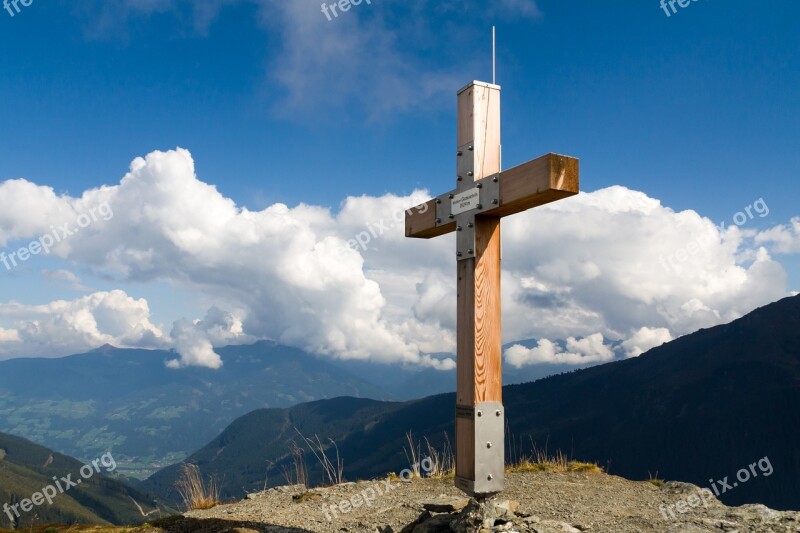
[[128, 402], [704, 409], [409, 383], [27, 468]]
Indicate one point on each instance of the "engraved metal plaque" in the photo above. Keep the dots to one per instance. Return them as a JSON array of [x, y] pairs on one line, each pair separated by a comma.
[[465, 201]]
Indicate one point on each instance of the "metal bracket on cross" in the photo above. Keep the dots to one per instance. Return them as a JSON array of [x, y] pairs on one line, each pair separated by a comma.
[[469, 199], [489, 419]]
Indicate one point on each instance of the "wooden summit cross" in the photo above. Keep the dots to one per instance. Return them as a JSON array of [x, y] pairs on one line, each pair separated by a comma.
[[483, 195]]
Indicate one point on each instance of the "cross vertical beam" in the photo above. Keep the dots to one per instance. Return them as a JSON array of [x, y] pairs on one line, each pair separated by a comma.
[[483, 195], [479, 390]]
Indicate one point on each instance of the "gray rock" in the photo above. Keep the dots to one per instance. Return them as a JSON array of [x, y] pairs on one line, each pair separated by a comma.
[[486, 514], [559, 526], [446, 504], [288, 489]]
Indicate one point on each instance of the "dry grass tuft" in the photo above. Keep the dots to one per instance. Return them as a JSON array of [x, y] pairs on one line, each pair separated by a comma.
[[540, 461], [306, 497], [333, 473], [442, 462], [297, 472], [430, 461], [194, 492]]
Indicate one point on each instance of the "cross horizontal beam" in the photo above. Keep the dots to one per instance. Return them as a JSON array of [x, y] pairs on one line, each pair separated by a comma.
[[538, 182]]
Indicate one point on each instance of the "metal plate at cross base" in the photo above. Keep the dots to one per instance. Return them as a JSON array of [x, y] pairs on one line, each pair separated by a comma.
[[489, 419]]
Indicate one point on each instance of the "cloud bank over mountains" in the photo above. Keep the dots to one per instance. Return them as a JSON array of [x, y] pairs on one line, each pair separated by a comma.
[[590, 269]]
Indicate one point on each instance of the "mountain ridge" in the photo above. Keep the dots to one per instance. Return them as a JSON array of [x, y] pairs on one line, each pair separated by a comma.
[[676, 411], [26, 468]]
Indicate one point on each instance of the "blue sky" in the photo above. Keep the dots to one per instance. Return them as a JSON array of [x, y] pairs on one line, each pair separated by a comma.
[[276, 104]]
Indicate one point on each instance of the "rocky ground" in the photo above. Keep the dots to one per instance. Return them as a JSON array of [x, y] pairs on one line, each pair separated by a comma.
[[533, 502]]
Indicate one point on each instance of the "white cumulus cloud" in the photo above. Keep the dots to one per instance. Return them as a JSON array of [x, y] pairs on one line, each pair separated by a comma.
[[293, 278], [590, 349], [644, 339], [612, 264], [8, 335], [195, 340], [784, 238], [64, 327]]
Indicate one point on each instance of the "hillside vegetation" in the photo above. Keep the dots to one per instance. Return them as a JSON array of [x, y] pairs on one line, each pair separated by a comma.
[[26, 468]]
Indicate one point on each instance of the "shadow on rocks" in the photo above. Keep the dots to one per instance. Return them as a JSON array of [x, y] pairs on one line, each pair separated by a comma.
[[180, 524]]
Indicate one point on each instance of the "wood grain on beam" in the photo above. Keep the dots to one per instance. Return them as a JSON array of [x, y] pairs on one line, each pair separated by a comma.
[[421, 222], [546, 179], [479, 123], [487, 343], [478, 347], [541, 181]]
